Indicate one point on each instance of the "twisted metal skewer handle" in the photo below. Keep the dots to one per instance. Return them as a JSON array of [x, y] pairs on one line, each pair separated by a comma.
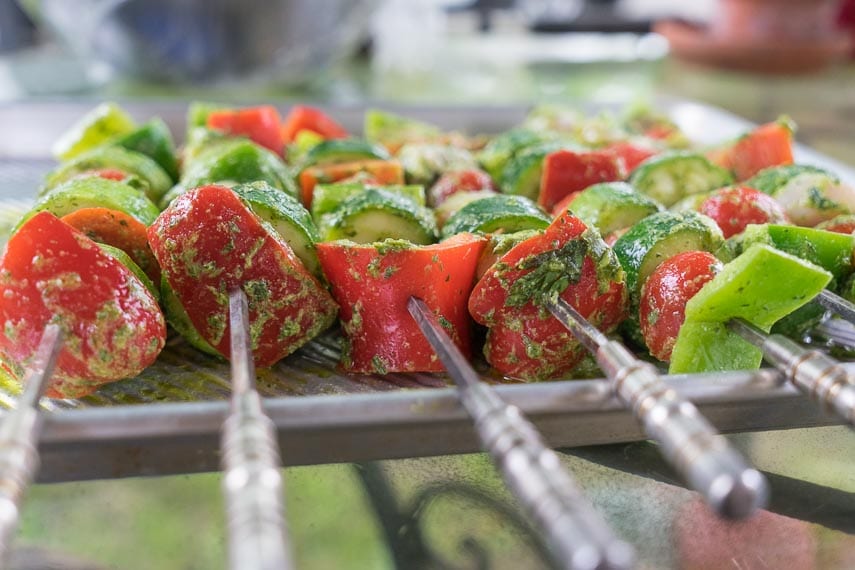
[[816, 374], [19, 436], [704, 458], [576, 534], [19, 461], [252, 484], [578, 537]]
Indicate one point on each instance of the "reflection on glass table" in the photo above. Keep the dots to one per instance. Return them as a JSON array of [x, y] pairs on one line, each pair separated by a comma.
[[454, 512]]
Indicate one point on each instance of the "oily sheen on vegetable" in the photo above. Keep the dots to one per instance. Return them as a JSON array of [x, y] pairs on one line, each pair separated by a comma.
[[207, 243], [306, 217], [112, 325]]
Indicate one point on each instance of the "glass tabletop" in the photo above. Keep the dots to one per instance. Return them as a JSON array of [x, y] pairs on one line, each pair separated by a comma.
[[454, 512]]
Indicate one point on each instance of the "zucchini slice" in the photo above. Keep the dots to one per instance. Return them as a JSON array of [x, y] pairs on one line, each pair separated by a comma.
[[457, 201], [521, 175], [659, 237], [375, 215], [232, 162], [670, 177], [178, 319], [96, 192], [129, 161], [154, 140], [503, 147], [126, 260], [288, 217], [496, 214], [343, 150], [327, 197], [612, 206]]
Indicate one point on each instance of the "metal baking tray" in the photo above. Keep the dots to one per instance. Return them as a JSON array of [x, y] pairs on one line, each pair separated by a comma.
[[167, 420]]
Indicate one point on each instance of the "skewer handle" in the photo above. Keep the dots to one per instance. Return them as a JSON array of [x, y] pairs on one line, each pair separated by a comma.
[[576, 534], [705, 459], [252, 480], [252, 484], [19, 436], [19, 461], [816, 374]]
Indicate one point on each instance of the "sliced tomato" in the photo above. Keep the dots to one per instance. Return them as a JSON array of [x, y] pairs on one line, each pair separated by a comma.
[[304, 118], [383, 171], [734, 207], [524, 340], [259, 124], [373, 283], [632, 153], [665, 294], [449, 183], [208, 242], [842, 224], [566, 172], [51, 273], [119, 230], [767, 145]]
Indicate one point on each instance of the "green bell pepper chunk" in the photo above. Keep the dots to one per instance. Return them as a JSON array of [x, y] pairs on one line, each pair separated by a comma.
[[761, 286]]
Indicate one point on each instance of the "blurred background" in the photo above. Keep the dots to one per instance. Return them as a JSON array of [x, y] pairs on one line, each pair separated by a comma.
[[757, 58]]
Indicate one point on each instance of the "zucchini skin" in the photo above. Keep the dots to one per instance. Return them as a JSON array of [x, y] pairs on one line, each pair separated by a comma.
[[134, 163], [640, 250], [671, 177], [492, 214], [343, 150], [613, 206], [409, 220]]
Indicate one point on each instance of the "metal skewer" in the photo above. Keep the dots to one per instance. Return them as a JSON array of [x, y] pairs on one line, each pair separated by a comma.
[[816, 374], [578, 537], [19, 436], [252, 481], [703, 457], [836, 304]]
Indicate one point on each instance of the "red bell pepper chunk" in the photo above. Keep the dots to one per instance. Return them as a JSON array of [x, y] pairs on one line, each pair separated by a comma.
[[208, 243], [734, 207], [373, 283], [302, 117], [51, 273], [524, 340], [767, 145], [566, 172], [665, 294], [384, 172], [259, 124]]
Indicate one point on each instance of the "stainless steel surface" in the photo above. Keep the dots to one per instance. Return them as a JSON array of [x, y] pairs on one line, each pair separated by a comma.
[[202, 40], [167, 420], [691, 445], [818, 375], [19, 435], [252, 480], [836, 304], [575, 533]]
